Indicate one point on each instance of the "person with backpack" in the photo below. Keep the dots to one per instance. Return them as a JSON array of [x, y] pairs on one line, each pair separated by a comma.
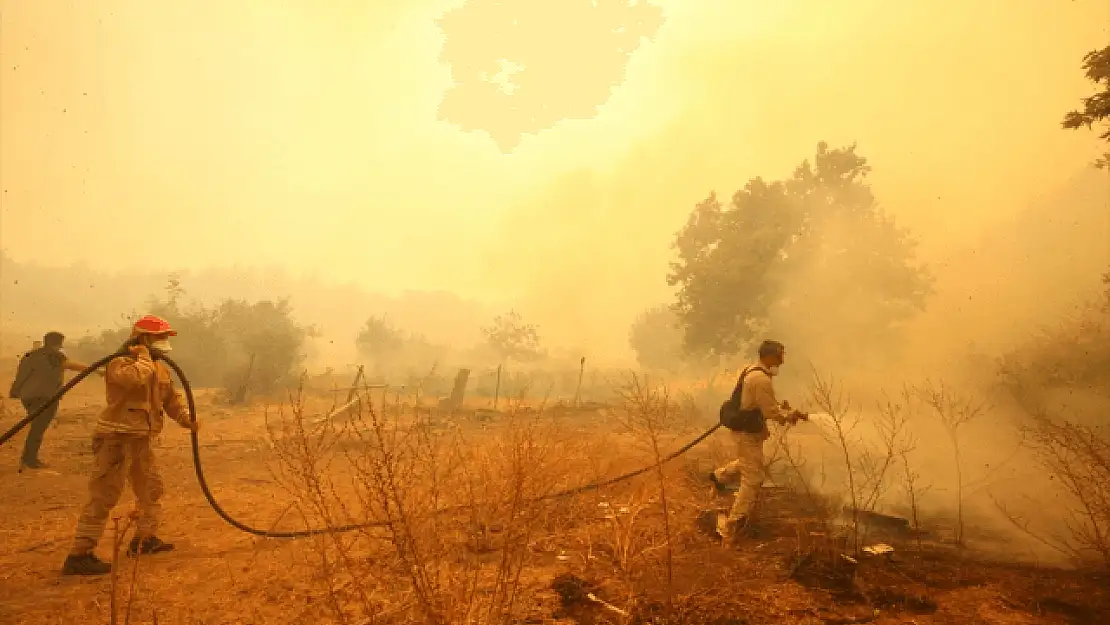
[[39, 376], [746, 414]]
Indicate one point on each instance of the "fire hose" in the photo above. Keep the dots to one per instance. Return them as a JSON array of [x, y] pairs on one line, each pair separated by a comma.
[[239, 525]]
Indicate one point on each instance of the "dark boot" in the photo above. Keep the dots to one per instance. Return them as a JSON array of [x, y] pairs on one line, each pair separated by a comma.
[[150, 544], [85, 564], [33, 464]]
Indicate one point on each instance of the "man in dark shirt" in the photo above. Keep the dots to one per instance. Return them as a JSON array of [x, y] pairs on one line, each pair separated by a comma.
[[40, 375]]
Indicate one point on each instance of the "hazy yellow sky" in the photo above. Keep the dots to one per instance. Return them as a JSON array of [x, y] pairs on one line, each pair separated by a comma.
[[304, 133]]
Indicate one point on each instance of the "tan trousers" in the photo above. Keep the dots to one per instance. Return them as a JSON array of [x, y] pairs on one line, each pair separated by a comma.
[[117, 458], [749, 464]]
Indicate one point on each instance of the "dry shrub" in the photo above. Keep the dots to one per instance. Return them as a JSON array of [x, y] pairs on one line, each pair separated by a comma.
[[453, 513], [461, 511], [955, 411], [650, 414], [869, 460], [119, 536], [1077, 458], [913, 488], [1073, 353], [1075, 450]]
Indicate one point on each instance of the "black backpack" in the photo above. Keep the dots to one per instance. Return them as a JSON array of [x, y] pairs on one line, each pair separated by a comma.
[[750, 421]]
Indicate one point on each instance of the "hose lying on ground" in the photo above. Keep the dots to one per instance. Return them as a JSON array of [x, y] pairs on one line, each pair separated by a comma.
[[239, 525]]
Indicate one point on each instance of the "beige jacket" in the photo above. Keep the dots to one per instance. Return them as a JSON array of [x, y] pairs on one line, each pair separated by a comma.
[[139, 392], [759, 392]]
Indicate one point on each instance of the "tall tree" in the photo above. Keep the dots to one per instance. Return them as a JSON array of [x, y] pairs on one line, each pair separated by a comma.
[[815, 244], [656, 337], [1096, 108], [512, 339], [246, 347], [267, 343], [378, 341]]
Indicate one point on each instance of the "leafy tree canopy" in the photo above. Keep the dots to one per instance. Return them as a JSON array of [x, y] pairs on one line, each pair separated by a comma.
[[512, 339], [1096, 108], [242, 346], [814, 250], [391, 350], [656, 337], [379, 340]]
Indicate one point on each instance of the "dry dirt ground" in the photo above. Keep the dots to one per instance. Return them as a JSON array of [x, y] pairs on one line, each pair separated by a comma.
[[219, 575]]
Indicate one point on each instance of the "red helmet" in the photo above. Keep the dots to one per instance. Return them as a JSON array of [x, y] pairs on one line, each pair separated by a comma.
[[153, 325]]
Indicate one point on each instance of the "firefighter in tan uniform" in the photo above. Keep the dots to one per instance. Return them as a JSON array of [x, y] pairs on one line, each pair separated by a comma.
[[139, 392], [757, 392]]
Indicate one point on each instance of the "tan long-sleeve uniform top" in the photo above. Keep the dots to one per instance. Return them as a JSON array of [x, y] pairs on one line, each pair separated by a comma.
[[759, 392], [139, 392]]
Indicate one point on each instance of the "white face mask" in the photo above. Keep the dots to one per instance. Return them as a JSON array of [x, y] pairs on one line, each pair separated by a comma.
[[162, 345], [773, 370]]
